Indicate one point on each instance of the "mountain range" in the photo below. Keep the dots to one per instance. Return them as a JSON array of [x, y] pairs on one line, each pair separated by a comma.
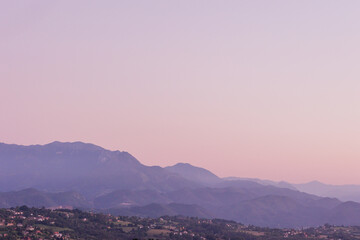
[[87, 176]]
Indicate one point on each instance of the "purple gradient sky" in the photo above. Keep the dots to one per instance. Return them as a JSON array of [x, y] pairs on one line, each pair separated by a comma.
[[267, 89]]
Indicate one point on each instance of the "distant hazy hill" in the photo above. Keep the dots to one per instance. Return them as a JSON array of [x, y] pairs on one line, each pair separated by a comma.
[[86, 168], [263, 205], [35, 198], [193, 173], [115, 181], [281, 184], [342, 192], [345, 214]]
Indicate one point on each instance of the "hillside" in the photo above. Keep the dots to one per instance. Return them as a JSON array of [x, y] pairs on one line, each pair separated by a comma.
[[90, 177], [81, 167], [342, 192], [34, 223], [34, 198]]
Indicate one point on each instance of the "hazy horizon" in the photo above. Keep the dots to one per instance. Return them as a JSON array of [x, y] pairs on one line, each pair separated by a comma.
[[256, 89]]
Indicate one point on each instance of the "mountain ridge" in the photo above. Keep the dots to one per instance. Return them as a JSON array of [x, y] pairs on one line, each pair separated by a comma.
[[88, 176]]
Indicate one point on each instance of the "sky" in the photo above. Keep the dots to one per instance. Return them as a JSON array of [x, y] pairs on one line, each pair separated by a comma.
[[264, 89]]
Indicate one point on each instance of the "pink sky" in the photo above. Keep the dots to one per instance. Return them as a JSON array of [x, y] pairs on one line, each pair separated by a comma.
[[266, 89]]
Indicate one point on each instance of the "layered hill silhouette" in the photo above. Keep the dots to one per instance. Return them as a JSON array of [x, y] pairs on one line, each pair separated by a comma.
[[86, 168], [342, 192], [90, 177], [36, 198]]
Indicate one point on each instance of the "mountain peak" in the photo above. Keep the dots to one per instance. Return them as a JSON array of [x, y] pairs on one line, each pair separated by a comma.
[[191, 172], [75, 145], [183, 165], [315, 182]]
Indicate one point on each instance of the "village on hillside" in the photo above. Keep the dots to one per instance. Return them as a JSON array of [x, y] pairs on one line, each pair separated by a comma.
[[40, 223]]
